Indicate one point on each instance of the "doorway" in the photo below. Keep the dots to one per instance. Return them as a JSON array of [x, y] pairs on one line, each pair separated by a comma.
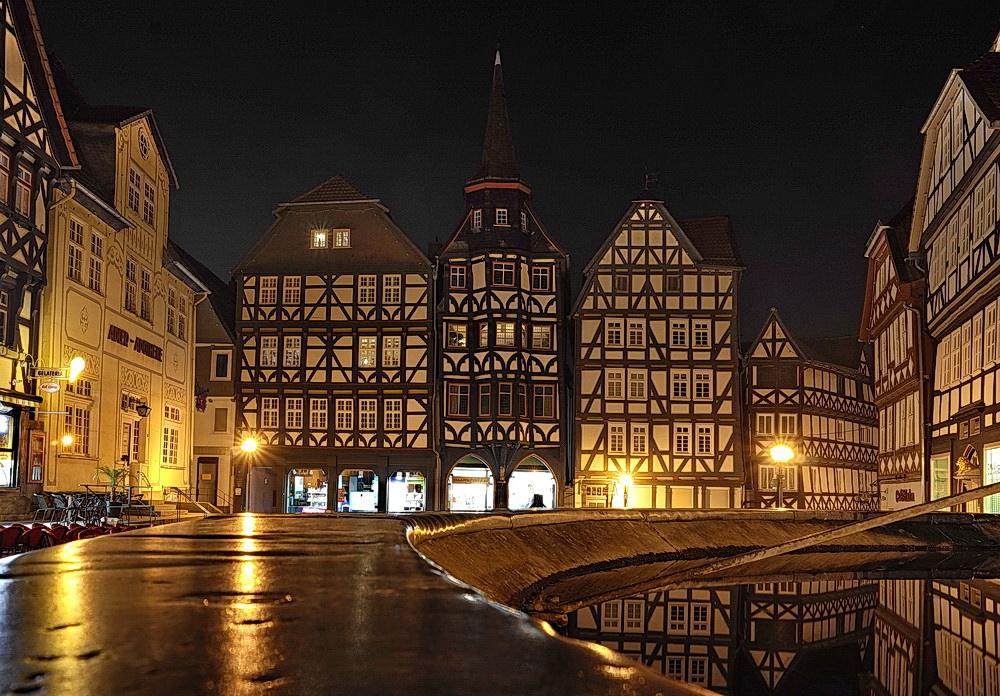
[[263, 490], [307, 491], [531, 485], [470, 485], [208, 479]]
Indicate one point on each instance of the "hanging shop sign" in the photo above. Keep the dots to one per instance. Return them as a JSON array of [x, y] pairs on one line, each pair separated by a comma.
[[143, 347], [49, 387], [48, 372]]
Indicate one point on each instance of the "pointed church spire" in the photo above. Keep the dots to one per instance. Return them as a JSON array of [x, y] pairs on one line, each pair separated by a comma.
[[498, 163]]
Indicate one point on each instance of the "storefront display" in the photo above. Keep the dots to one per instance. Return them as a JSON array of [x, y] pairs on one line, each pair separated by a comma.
[[406, 492], [470, 487], [357, 491], [531, 485], [307, 490]]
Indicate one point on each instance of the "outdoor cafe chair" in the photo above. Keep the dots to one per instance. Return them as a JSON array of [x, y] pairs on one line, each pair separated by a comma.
[[10, 540], [46, 510]]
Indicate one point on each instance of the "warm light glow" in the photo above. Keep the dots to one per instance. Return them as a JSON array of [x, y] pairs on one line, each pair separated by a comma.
[[67, 440], [249, 445], [782, 453], [625, 479], [76, 366]]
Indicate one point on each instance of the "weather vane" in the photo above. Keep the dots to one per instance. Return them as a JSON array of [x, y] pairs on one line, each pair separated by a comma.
[[651, 179]]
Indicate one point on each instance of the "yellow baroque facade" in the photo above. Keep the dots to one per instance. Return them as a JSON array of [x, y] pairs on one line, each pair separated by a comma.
[[114, 298]]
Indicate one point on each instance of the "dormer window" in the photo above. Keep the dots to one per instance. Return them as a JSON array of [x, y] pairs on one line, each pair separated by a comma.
[[342, 238], [320, 239], [477, 219], [502, 216]]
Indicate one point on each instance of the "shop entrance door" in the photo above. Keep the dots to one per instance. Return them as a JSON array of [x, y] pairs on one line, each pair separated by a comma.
[[531, 485], [263, 493], [470, 486], [307, 490], [208, 477]]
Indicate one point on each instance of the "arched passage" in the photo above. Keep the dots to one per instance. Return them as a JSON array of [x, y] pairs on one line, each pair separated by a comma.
[[470, 485], [531, 485]]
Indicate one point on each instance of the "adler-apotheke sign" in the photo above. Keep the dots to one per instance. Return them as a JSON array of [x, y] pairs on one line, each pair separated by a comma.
[[141, 346]]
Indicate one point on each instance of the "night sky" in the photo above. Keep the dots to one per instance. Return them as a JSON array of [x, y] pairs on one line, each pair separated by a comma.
[[798, 118]]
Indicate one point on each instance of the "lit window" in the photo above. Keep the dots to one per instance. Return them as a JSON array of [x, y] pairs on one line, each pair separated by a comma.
[[390, 351], [171, 446], [268, 351], [456, 276], [541, 278], [541, 336], [268, 290], [503, 273], [457, 335], [22, 197], [366, 289], [292, 290], [342, 238], [293, 351], [502, 216], [505, 333], [391, 289], [613, 332], [458, 399], [77, 425], [293, 413], [320, 239], [366, 351]]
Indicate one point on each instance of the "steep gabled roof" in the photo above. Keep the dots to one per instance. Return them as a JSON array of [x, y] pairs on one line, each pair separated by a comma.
[[376, 243], [842, 352], [982, 79], [40, 69], [221, 295], [93, 131], [714, 238]]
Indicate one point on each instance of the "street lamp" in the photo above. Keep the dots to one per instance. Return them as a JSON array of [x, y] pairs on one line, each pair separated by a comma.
[[249, 445], [781, 455]]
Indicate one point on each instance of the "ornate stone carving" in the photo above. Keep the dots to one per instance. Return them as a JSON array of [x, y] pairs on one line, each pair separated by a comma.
[[134, 380]]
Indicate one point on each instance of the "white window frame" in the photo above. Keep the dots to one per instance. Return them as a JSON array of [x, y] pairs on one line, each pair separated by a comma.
[[682, 438], [392, 289], [393, 414], [391, 351], [614, 384], [291, 291], [367, 415], [502, 218], [366, 289], [214, 368], [367, 352], [342, 238], [637, 384], [678, 334], [616, 438], [636, 333], [614, 333], [344, 414], [639, 439], [319, 238], [293, 413], [319, 414], [268, 351], [269, 412], [292, 351], [268, 290]]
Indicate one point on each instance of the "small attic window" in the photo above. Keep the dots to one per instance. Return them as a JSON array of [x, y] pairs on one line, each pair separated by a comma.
[[319, 239], [502, 216], [342, 238]]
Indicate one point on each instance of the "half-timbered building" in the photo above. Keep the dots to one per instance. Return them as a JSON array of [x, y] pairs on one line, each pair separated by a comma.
[[656, 386], [503, 299], [34, 142], [892, 322], [955, 227], [118, 299], [966, 636], [333, 325], [904, 654], [790, 625], [815, 397], [687, 634]]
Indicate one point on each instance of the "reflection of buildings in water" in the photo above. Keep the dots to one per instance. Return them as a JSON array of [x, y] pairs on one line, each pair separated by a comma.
[[684, 634], [900, 619], [789, 621], [744, 640], [966, 634]]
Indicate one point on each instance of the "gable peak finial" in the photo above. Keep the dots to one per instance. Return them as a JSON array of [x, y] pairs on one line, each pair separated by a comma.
[[995, 49], [496, 61]]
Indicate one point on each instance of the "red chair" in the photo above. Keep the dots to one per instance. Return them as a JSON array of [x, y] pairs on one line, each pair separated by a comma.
[[10, 540], [39, 538], [59, 531]]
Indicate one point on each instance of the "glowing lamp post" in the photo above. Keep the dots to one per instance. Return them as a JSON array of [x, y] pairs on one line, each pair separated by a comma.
[[781, 454], [249, 445]]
